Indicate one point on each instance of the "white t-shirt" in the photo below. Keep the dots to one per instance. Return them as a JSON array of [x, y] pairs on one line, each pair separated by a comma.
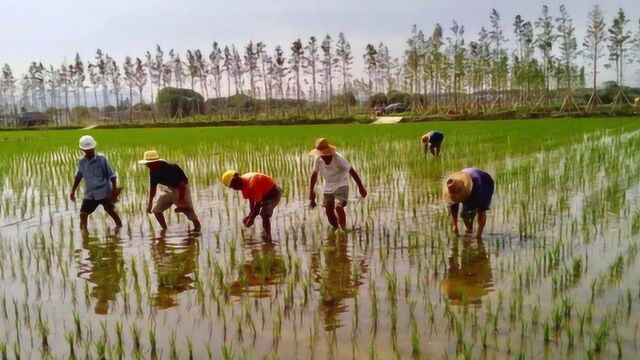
[[336, 174]]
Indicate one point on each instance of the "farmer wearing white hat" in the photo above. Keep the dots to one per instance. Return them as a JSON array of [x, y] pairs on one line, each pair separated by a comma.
[[474, 189], [173, 184], [100, 183], [431, 142], [336, 170]]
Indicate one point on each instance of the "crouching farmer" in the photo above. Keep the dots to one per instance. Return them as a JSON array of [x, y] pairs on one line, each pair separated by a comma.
[[431, 142], [336, 170], [173, 184], [474, 189], [100, 183], [262, 192]]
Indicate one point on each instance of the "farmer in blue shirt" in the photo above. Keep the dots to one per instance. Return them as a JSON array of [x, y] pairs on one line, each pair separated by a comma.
[[474, 189], [431, 142], [100, 183]]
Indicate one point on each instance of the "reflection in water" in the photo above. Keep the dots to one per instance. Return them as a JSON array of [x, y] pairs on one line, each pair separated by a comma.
[[264, 269], [175, 264], [102, 264], [469, 276], [338, 278]]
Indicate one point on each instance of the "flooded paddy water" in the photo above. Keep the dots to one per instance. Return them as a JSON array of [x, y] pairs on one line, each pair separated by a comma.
[[554, 276]]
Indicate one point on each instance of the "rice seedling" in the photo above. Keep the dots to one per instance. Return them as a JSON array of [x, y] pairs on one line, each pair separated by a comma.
[[569, 255]]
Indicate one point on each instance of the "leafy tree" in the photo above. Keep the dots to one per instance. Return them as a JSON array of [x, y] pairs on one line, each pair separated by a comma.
[[297, 56]]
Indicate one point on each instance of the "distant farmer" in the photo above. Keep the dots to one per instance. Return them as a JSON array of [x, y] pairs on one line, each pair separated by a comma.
[[335, 170], [174, 189], [262, 192], [100, 183], [474, 189], [431, 142]]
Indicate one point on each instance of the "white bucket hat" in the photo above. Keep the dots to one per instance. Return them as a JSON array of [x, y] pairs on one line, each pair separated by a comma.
[[87, 142]]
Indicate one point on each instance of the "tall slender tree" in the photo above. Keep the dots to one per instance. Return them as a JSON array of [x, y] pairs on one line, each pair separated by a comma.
[[295, 62], [545, 40], [215, 68], [251, 55], [618, 42], [343, 53], [311, 59], [593, 48], [371, 67], [329, 62]]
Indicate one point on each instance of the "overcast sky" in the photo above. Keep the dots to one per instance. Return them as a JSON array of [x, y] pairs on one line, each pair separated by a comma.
[[52, 31]]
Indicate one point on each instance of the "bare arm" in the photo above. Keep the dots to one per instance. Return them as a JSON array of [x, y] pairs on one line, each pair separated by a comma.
[[356, 178], [152, 194], [114, 187], [482, 221], [74, 188], [312, 188], [453, 213]]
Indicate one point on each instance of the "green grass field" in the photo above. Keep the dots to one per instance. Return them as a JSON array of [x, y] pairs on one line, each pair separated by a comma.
[[555, 274]]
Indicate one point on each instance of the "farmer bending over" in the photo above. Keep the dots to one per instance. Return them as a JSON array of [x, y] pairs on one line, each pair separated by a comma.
[[474, 189], [261, 191], [174, 189], [100, 183], [335, 170], [431, 142]]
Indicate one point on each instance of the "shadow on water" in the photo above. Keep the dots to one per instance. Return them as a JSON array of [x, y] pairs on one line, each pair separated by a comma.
[[338, 278], [263, 270], [102, 264], [469, 276], [175, 262]]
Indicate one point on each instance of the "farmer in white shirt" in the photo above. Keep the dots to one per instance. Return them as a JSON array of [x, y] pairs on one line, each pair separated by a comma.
[[335, 170]]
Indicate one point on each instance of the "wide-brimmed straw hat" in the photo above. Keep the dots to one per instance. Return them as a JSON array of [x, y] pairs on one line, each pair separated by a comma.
[[150, 156], [457, 187], [323, 148]]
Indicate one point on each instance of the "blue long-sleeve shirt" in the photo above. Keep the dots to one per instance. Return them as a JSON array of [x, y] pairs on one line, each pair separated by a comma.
[[97, 174]]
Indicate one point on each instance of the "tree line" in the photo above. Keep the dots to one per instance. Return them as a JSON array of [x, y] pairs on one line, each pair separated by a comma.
[[443, 71]]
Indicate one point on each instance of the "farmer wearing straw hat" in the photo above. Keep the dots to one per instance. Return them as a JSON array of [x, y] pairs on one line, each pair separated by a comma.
[[336, 170], [262, 192], [100, 183], [174, 189], [431, 142], [474, 189]]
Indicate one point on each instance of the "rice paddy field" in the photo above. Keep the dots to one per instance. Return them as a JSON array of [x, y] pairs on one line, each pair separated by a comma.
[[555, 275]]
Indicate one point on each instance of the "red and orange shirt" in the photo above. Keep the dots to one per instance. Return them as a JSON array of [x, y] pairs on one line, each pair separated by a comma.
[[256, 185]]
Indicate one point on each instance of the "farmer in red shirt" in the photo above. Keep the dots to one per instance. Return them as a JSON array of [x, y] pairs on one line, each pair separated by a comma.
[[261, 191]]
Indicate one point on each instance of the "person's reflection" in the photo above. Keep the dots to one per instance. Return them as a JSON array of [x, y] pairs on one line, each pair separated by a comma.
[[263, 269], [175, 264], [469, 276], [102, 264], [333, 271]]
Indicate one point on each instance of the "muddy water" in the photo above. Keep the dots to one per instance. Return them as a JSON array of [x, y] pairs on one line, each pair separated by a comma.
[[553, 277]]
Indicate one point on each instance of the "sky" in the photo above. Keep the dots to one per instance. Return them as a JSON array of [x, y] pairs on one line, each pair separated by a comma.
[[53, 31]]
